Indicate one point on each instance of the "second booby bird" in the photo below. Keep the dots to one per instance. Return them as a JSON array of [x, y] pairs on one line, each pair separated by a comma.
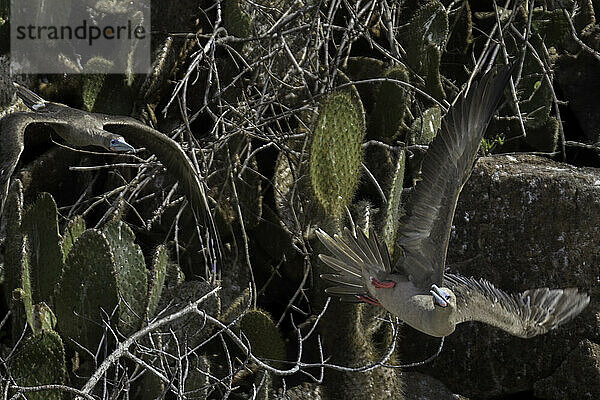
[[81, 128], [417, 290]]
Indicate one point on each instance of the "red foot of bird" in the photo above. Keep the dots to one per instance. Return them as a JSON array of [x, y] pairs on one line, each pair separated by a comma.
[[383, 285], [367, 299]]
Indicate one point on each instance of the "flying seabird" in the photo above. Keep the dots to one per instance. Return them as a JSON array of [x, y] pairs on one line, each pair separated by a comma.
[[81, 128], [417, 290]]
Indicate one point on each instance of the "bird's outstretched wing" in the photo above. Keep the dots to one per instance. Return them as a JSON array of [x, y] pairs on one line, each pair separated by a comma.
[[425, 228], [166, 150], [525, 314], [12, 132], [172, 156]]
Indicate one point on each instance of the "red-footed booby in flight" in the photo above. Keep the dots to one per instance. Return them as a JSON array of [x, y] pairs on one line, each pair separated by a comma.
[[417, 290], [81, 128]]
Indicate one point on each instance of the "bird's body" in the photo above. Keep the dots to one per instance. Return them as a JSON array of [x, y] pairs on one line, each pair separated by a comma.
[[416, 289], [416, 307]]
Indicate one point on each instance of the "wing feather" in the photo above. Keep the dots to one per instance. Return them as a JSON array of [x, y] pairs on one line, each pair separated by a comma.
[[171, 155], [525, 314], [425, 228], [12, 132], [168, 151]]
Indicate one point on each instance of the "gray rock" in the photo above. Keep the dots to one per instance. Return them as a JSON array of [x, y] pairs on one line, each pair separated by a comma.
[[577, 377], [521, 222], [423, 387]]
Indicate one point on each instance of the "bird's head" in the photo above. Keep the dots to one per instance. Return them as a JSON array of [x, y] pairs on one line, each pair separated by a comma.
[[444, 307], [118, 143]]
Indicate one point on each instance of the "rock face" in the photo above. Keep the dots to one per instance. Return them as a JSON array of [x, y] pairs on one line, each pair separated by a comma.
[[521, 222], [422, 387], [576, 378]]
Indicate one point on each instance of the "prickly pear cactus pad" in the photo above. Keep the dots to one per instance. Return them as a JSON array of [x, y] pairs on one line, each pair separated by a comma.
[[391, 103], [40, 223], [132, 279], [87, 290], [394, 206], [73, 230], [14, 255], [263, 335], [156, 278], [43, 319], [425, 127], [336, 152], [429, 25], [95, 75], [41, 361]]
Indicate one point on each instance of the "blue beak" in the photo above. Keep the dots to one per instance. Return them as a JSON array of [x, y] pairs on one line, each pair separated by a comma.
[[440, 296], [120, 145]]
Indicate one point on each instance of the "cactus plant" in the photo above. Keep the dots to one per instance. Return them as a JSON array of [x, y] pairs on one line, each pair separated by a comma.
[[102, 268], [14, 255], [433, 82], [95, 70], [336, 152], [364, 68], [552, 26], [72, 231], [461, 36], [425, 127], [95, 270], [132, 278], [87, 287], [236, 307], [21, 309], [391, 102], [156, 280], [544, 138], [294, 199], [428, 26], [264, 337], [40, 224], [393, 211], [364, 214], [197, 382], [40, 360], [349, 333], [42, 319]]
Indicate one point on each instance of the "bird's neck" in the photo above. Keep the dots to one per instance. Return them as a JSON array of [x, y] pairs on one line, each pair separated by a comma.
[[416, 309], [82, 136]]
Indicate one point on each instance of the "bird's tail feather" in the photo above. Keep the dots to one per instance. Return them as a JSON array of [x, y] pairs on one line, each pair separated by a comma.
[[350, 256]]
